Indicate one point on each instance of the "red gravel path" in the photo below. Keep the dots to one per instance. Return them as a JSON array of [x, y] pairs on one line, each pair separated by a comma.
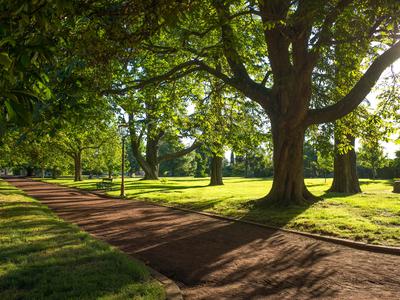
[[215, 259]]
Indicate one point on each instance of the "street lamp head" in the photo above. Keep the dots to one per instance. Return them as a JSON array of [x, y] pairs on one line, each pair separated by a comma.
[[123, 129]]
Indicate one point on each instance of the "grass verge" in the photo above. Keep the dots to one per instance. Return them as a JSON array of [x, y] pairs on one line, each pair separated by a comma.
[[43, 257], [372, 216]]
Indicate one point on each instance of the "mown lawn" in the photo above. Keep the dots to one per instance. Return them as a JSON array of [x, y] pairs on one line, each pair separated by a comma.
[[372, 216], [43, 257]]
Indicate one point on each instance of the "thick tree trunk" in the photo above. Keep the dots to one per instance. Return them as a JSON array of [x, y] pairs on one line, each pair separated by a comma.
[[345, 179], [151, 171], [288, 185], [110, 173], [78, 166], [216, 170]]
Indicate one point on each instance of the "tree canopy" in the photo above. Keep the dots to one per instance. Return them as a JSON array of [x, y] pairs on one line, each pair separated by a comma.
[[240, 75]]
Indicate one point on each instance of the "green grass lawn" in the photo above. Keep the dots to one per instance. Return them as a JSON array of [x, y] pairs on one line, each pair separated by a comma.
[[43, 257], [372, 216]]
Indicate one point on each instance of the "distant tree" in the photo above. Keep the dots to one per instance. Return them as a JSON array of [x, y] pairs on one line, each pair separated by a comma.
[[180, 166], [106, 158], [155, 115], [201, 162], [371, 154], [325, 163], [226, 121]]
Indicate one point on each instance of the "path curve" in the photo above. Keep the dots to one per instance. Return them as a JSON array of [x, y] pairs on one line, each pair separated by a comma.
[[215, 259]]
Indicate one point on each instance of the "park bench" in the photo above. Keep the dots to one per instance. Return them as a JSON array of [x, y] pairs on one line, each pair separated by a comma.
[[105, 184]]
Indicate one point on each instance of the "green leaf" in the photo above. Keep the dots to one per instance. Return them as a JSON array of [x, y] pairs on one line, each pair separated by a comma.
[[10, 110], [5, 60], [25, 60]]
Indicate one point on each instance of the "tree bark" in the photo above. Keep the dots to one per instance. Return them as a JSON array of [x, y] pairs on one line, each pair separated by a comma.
[[246, 166], [29, 171], [216, 170], [288, 185], [78, 166], [151, 171], [54, 173], [345, 179]]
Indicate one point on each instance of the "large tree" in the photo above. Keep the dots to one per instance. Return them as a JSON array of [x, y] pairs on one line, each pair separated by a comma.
[[284, 40]]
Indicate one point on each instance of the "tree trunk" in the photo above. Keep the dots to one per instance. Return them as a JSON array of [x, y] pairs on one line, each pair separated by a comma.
[[246, 166], [374, 171], [110, 173], [42, 172], [345, 179], [232, 160], [29, 171], [54, 173], [78, 166], [216, 170], [288, 185], [151, 172]]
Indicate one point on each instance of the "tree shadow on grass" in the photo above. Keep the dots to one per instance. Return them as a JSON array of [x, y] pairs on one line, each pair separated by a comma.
[[378, 181], [165, 186], [329, 195], [42, 257]]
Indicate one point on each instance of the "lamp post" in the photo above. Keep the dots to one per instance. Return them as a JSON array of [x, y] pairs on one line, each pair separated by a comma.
[[123, 169], [123, 135]]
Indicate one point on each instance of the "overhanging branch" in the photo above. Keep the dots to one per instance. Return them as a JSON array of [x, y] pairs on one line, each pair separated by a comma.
[[358, 93], [180, 153]]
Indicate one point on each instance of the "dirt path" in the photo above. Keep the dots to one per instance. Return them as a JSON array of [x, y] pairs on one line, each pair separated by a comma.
[[214, 259]]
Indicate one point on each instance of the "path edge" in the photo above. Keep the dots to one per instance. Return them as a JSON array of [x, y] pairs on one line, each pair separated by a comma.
[[339, 241], [344, 242], [172, 290]]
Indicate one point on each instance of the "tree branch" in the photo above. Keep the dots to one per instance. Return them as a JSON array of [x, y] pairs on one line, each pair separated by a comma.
[[266, 77], [324, 34], [251, 89], [276, 37], [228, 43], [180, 153], [170, 75], [358, 93]]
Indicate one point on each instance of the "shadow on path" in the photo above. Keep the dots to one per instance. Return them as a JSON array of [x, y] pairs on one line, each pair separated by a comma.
[[215, 259]]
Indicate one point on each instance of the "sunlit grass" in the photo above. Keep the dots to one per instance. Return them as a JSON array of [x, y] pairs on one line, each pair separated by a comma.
[[43, 257], [372, 216]]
